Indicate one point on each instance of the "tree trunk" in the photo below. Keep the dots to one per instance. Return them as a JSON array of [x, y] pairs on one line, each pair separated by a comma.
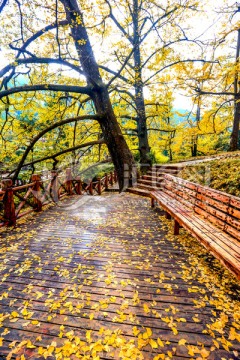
[[235, 130], [144, 148], [117, 146]]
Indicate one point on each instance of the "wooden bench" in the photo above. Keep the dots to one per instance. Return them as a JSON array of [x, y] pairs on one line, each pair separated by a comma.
[[211, 216]]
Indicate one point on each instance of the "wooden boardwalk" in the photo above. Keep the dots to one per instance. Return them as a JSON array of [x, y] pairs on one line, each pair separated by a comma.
[[101, 278]]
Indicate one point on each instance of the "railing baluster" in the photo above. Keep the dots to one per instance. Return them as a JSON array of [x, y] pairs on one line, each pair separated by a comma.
[[91, 188], [78, 186], [115, 176], [54, 186], [8, 203], [99, 186], [111, 178], [106, 181], [69, 181], [36, 191]]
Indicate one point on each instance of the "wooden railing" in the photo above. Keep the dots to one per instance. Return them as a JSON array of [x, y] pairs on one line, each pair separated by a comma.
[[18, 201]]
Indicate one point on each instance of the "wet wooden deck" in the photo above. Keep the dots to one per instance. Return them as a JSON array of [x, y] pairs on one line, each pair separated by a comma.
[[101, 278]]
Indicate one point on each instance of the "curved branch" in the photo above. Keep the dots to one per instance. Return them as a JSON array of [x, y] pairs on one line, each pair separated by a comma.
[[161, 130], [47, 87], [125, 92], [114, 73], [90, 143], [36, 60], [40, 33], [43, 132], [200, 92], [179, 62], [128, 117]]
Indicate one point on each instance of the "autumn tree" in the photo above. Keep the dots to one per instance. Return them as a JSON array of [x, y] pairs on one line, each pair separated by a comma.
[[219, 83], [146, 35], [53, 44]]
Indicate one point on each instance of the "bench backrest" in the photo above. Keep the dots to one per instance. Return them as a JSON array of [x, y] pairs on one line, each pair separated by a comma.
[[219, 208]]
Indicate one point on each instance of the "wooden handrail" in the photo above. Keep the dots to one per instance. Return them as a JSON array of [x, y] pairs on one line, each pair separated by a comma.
[[21, 187]]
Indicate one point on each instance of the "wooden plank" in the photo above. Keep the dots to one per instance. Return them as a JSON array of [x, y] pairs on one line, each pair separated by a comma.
[[211, 210], [230, 230], [234, 212], [235, 202], [176, 180], [210, 201], [215, 194]]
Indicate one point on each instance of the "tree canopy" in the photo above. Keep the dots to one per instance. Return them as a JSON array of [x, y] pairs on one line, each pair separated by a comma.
[[81, 80]]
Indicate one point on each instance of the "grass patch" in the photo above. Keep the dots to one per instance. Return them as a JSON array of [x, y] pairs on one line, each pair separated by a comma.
[[222, 174]]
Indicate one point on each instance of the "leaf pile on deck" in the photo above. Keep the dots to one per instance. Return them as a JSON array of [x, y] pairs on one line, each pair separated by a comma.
[[107, 280]]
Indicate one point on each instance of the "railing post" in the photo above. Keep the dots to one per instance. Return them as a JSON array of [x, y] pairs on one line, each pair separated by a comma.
[[8, 202], [36, 191], [99, 186], [91, 188], [69, 181], [78, 186], [54, 183], [111, 178], [106, 181], [115, 176]]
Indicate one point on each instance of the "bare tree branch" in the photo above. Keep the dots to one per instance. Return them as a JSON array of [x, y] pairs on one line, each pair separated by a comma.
[[200, 92], [40, 33], [122, 67], [36, 60], [114, 73], [161, 130]]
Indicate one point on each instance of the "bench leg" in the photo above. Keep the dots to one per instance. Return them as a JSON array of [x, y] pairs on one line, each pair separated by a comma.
[[167, 215], [152, 203], [176, 227]]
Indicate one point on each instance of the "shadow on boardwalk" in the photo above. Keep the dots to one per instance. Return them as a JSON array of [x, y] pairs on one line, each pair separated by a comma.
[[104, 279]]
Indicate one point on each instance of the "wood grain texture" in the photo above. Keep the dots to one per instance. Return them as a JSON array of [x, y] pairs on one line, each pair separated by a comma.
[[94, 258]]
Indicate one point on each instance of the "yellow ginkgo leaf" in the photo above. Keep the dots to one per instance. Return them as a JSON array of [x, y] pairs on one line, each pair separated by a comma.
[[14, 314], [160, 342], [153, 344], [182, 342], [146, 308], [135, 331], [204, 353]]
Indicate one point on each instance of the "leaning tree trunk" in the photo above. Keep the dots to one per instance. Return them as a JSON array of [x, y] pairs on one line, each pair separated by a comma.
[[117, 146]]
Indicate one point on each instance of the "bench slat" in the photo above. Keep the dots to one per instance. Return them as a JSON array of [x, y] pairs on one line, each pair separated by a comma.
[[217, 207]]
